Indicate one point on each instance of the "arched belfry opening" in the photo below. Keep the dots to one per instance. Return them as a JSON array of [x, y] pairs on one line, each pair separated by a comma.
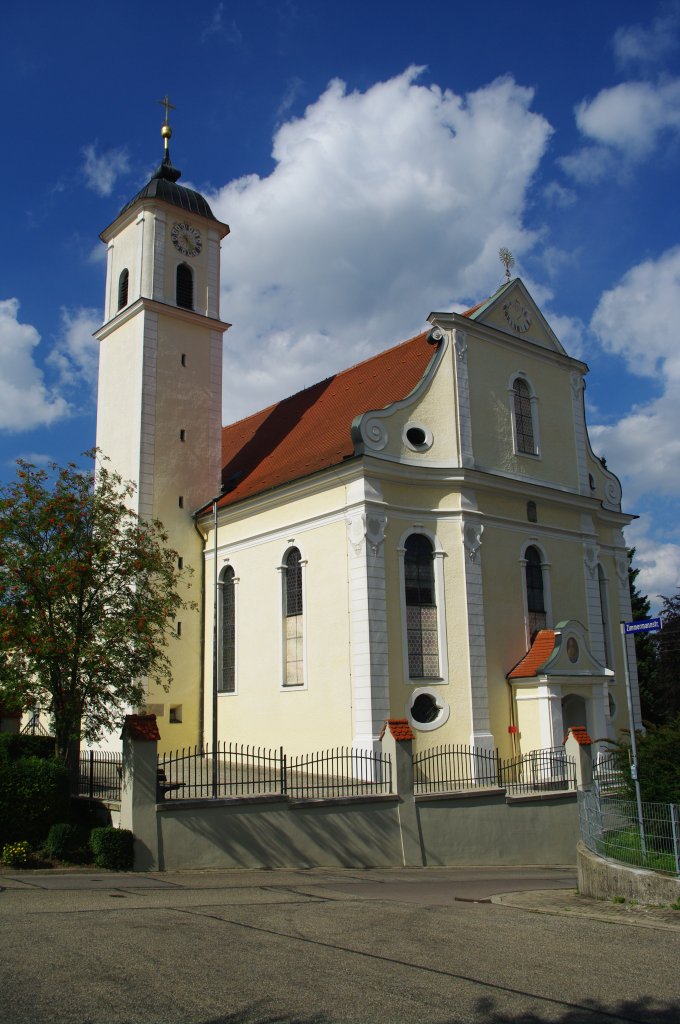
[[185, 286]]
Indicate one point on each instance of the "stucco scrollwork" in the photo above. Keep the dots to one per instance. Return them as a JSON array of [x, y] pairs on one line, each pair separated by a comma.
[[369, 527], [472, 539], [576, 381], [374, 433], [612, 492], [590, 556], [621, 562]]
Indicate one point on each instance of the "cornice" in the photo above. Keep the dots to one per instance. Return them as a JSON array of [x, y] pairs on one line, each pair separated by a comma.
[[498, 336], [143, 304]]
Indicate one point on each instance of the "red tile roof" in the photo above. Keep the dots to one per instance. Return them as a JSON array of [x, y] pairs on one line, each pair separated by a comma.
[[580, 734], [399, 728], [141, 727], [311, 430], [536, 656]]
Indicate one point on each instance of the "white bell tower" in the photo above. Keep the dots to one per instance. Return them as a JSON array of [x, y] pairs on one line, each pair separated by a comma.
[[159, 408]]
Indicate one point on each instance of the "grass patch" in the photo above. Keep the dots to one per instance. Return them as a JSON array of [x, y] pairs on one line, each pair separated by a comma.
[[624, 845]]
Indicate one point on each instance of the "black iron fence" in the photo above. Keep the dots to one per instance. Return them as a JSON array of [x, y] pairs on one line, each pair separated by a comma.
[[448, 767], [608, 772], [241, 770], [100, 774]]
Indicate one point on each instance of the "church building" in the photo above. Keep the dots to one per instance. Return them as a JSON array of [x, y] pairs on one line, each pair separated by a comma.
[[426, 535]]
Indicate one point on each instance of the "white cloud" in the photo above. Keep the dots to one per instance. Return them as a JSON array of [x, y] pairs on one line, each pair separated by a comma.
[[588, 164], [101, 172], [635, 44], [637, 320], [25, 401], [558, 195], [383, 205], [631, 117], [75, 355], [658, 562]]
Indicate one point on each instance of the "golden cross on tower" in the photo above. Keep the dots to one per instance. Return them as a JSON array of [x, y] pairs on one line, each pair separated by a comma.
[[166, 130]]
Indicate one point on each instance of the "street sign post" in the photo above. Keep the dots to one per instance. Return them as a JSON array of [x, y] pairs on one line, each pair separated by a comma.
[[642, 626]]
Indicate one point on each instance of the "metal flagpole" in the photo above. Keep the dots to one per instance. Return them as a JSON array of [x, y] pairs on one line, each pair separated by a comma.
[[214, 686], [633, 745]]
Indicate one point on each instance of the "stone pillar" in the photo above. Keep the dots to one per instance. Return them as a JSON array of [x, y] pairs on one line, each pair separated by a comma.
[[397, 741], [578, 744], [139, 788]]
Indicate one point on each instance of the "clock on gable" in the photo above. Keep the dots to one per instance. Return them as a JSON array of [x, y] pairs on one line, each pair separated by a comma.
[[517, 315]]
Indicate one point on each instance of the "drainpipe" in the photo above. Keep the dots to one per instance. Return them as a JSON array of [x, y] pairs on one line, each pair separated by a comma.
[[201, 674]]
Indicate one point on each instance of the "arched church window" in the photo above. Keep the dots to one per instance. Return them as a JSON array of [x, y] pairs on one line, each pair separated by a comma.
[[535, 590], [185, 286], [421, 608], [293, 620], [226, 682], [123, 281], [525, 435]]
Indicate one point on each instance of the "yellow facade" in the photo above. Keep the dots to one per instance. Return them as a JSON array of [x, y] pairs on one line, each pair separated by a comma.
[[486, 463]]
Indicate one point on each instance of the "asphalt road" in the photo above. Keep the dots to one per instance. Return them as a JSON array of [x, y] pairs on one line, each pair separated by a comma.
[[322, 946]]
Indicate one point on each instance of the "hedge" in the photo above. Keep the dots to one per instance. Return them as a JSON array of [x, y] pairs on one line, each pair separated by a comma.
[[14, 745], [34, 794], [113, 848]]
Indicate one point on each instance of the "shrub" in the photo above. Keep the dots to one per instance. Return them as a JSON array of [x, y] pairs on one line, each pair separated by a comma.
[[113, 848], [658, 763], [34, 794], [14, 745], [16, 854], [67, 842]]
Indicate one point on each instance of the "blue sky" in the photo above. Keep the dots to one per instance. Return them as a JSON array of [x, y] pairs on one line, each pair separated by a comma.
[[370, 159]]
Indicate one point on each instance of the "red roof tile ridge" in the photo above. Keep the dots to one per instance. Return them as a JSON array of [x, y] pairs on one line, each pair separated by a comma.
[[539, 652], [324, 380]]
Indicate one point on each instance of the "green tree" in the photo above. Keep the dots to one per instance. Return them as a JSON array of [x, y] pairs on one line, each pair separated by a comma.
[[667, 682], [88, 595], [645, 650]]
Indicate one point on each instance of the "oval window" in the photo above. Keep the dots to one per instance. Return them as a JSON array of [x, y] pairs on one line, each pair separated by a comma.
[[416, 436]]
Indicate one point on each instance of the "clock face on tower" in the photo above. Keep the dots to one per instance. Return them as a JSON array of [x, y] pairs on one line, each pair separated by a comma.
[[186, 239]]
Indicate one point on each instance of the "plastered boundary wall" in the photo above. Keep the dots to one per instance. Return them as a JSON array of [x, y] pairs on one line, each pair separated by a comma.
[[482, 827]]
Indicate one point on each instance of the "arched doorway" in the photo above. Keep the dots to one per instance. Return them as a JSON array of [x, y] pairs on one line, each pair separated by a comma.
[[574, 712]]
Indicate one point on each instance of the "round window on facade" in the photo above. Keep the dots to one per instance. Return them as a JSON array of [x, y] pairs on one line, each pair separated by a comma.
[[427, 709], [417, 437]]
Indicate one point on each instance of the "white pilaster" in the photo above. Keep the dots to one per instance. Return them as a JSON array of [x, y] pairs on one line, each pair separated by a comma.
[[368, 624]]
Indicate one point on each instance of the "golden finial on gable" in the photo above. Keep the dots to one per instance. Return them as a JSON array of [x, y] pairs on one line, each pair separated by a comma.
[[507, 259]]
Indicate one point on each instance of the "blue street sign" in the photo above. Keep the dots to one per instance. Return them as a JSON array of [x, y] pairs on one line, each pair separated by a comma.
[[642, 625]]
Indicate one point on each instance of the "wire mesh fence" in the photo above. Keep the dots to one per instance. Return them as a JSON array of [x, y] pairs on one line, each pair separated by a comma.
[[611, 826], [242, 770], [100, 774], [450, 768]]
